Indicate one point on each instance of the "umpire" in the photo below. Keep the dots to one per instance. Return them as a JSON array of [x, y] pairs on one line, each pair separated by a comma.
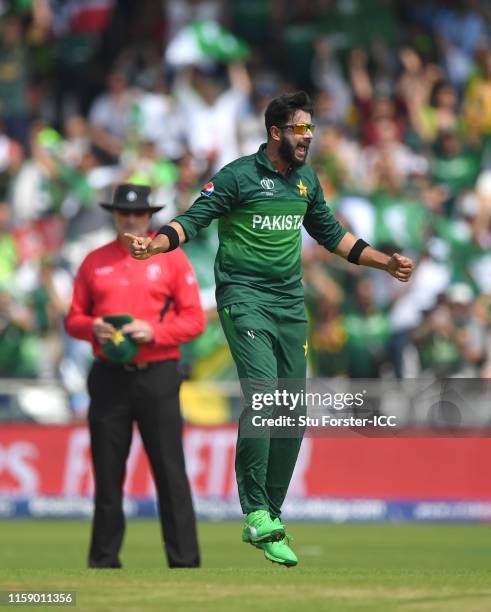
[[136, 314]]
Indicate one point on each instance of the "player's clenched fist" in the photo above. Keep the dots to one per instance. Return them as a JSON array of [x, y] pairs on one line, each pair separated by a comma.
[[400, 267]]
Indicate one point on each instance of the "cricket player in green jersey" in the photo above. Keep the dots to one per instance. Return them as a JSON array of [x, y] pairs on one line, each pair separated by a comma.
[[261, 202]]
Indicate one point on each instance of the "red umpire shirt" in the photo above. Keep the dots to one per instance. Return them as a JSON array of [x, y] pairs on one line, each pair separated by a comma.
[[162, 291]]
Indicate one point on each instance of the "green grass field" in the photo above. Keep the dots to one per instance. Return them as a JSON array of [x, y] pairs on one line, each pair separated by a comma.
[[342, 567]]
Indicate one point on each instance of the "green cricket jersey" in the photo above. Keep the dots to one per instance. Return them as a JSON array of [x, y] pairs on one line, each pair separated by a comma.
[[261, 214]]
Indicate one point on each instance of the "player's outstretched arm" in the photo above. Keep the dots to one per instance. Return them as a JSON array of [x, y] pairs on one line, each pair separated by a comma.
[[169, 237], [358, 251]]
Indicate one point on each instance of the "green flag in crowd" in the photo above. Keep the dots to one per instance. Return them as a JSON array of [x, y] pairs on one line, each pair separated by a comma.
[[202, 41]]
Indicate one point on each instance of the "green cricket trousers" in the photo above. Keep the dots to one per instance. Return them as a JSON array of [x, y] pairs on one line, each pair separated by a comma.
[[269, 347]]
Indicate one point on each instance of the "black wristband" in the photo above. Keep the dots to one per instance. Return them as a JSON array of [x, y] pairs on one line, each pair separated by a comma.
[[172, 235], [354, 254]]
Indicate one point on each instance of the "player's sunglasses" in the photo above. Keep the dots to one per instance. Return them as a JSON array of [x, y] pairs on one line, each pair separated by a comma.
[[300, 129]]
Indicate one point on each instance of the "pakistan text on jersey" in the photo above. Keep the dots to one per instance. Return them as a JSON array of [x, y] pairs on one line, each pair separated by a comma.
[[277, 222]]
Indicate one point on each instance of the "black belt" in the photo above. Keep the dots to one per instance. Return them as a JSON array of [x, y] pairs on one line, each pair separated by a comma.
[[131, 367]]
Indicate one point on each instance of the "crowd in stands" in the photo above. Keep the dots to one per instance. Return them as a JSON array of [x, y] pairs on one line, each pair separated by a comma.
[[95, 94]]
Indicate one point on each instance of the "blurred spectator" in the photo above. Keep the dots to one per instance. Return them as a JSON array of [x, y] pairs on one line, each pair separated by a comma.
[[471, 332], [454, 166], [50, 300], [482, 312], [11, 159], [329, 79], [388, 152], [212, 111], [372, 103], [19, 345], [77, 28], [110, 117], [450, 339], [439, 114], [338, 159], [462, 25], [14, 80], [324, 298], [33, 188], [477, 102], [437, 343], [8, 255], [400, 218], [250, 125], [409, 304], [77, 140], [367, 332], [416, 79], [157, 119]]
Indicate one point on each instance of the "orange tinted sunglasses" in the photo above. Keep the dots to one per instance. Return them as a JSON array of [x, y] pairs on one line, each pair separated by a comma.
[[300, 129]]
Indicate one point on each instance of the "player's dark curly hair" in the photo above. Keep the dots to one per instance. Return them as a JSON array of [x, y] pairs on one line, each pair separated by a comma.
[[281, 109]]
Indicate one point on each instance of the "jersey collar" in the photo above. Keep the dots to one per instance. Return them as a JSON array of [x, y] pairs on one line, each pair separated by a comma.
[[262, 159]]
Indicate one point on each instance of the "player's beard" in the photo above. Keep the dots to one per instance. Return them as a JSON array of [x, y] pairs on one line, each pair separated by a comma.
[[287, 152]]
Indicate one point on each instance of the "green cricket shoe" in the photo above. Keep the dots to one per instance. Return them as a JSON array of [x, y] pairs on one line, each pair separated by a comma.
[[259, 528], [279, 552]]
